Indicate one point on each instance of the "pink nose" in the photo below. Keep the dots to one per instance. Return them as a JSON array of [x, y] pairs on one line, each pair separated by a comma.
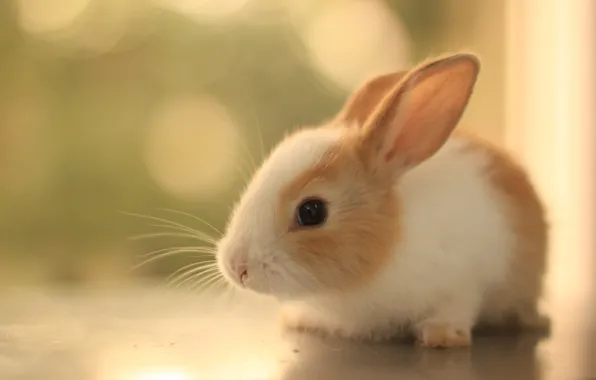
[[240, 265], [242, 271]]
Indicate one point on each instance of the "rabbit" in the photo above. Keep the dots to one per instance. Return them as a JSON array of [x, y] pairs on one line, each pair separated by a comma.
[[386, 219]]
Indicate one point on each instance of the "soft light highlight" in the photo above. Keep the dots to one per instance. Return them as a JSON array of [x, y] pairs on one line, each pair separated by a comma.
[[352, 41], [191, 147]]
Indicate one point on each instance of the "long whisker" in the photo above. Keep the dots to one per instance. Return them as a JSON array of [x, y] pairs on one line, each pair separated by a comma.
[[196, 234], [181, 271], [195, 218], [206, 237], [165, 234], [196, 277], [170, 252], [171, 224], [206, 277], [192, 249], [194, 274], [197, 269], [208, 281], [172, 283]]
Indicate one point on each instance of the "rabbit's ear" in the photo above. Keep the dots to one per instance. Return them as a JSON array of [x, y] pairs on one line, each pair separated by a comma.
[[363, 102], [417, 116]]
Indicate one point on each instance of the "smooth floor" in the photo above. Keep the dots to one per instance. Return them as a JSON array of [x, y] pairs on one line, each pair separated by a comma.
[[142, 334]]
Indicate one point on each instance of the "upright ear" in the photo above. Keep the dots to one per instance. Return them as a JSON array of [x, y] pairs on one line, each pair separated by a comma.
[[363, 102], [417, 117]]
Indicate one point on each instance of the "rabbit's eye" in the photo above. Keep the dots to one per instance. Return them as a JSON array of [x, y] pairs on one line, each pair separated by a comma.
[[311, 212]]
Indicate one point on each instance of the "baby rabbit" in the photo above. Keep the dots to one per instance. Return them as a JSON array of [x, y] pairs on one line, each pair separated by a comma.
[[385, 218]]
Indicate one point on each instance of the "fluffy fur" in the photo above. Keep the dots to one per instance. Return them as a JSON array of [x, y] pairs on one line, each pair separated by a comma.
[[429, 229]]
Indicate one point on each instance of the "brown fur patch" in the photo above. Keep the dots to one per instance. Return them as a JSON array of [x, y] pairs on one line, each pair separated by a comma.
[[527, 217], [362, 225]]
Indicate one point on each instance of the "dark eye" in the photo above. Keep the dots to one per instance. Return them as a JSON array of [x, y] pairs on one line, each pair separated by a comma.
[[311, 212]]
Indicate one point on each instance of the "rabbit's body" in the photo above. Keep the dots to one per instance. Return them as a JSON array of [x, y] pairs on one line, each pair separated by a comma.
[[457, 255], [385, 218]]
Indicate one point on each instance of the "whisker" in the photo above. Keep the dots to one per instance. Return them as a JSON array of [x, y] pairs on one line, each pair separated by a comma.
[[209, 282], [198, 234], [170, 252], [196, 273], [213, 279], [196, 277], [195, 218], [207, 279], [193, 249], [165, 234], [201, 236], [170, 223], [198, 268], [198, 264]]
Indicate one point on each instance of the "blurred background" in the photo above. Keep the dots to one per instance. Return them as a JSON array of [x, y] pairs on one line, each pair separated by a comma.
[[110, 107]]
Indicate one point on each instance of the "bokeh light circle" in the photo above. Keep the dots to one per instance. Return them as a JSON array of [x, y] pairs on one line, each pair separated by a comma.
[[46, 16], [191, 147], [350, 41]]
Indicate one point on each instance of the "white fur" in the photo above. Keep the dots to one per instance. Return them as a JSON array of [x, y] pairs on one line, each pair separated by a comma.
[[455, 248]]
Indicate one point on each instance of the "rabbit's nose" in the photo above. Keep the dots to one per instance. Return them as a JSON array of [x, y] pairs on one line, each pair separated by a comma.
[[240, 267], [242, 272]]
